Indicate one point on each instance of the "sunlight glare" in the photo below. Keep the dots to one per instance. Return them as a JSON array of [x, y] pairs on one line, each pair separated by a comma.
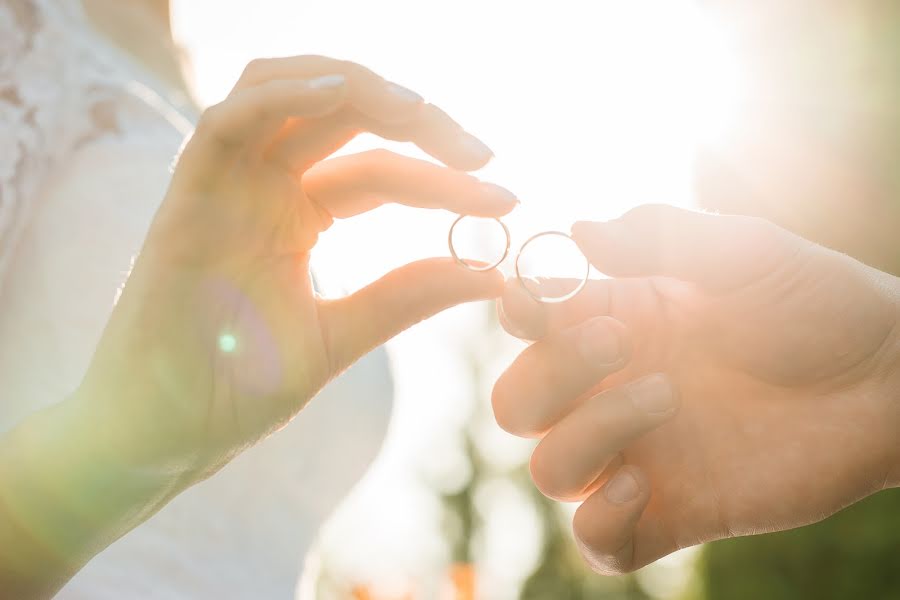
[[590, 107]]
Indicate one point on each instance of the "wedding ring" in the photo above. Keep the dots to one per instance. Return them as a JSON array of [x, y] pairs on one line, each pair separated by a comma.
[[567, 293], [467, 263]]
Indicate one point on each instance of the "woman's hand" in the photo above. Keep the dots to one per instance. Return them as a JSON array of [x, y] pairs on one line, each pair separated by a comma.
[[734, 379], [219, 337]]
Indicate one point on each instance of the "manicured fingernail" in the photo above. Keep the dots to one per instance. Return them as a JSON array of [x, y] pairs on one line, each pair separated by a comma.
[[327, 82], [496, 192], [599, 343], [622, 488], [477, 148], [405, 94], [653, 394]]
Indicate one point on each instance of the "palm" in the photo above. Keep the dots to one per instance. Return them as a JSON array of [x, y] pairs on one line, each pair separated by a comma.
[[251, 338], [753, 404], [219, 330]]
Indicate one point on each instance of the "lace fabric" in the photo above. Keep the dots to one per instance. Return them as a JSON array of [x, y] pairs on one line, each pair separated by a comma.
[[88, 135], [60, 88]]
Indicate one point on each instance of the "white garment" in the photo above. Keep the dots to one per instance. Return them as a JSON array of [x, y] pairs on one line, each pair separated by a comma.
[[88, 138]]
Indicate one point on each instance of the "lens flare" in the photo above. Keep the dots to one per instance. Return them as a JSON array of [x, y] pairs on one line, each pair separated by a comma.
[[227, 343]]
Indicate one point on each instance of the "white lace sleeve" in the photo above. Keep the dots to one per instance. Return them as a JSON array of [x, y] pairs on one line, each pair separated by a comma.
[[60, 88]]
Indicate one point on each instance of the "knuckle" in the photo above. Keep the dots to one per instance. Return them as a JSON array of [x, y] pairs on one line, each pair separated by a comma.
[[759, 232], [755, 222], [354, 70], [211, 120], [254, 68], [581, 341], [308, 60], [211, 115], [757, 227], [212, 125]]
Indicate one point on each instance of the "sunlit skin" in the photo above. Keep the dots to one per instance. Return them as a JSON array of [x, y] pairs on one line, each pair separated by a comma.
[[735, 378], [219, 338], [240, 269]]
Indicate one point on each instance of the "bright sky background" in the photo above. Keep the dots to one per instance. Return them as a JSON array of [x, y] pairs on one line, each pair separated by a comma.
[[590, 108]]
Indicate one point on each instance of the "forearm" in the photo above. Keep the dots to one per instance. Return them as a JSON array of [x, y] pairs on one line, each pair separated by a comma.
[[64, 496]]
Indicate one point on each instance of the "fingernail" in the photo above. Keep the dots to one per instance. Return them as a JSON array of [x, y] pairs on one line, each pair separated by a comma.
[[327, 82], [622, 488], [653, 394], [405, 94], [599, 343], [496, 192], [476, 147], [508, 325], [529, 287]]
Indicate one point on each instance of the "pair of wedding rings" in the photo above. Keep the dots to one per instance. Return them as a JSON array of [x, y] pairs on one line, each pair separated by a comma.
[[539, 285]]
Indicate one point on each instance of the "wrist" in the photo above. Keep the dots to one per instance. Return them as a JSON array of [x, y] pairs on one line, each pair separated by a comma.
[[890, 386], [67, 496]]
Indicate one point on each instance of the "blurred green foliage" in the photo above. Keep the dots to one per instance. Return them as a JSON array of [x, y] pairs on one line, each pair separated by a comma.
[[840, 78], [854, 554], [826, 63], [562, 572]]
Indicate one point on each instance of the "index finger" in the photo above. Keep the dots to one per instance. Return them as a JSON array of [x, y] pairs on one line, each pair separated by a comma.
[[526, 318], [388, 102], [376, 105], [346, 186]]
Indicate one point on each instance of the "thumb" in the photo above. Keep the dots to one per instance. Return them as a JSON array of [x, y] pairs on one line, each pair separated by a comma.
[[362, 321], [719, 252]]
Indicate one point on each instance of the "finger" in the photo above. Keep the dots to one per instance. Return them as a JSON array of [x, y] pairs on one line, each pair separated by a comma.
[[526, 318], [437, 134], [719, 252], [574, 454], [308, 142], [362, 321], [546, 380], [639, 303], [367, 91], [351, 185], [226, 128], [605, 524]]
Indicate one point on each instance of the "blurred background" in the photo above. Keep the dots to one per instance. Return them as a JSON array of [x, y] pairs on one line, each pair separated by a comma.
[[783, 108]]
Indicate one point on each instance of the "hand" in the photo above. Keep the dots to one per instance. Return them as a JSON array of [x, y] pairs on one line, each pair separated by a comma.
[[734, 379], [219, 337]]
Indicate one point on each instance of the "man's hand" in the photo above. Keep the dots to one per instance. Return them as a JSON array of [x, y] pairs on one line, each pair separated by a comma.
[[732, 379]]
